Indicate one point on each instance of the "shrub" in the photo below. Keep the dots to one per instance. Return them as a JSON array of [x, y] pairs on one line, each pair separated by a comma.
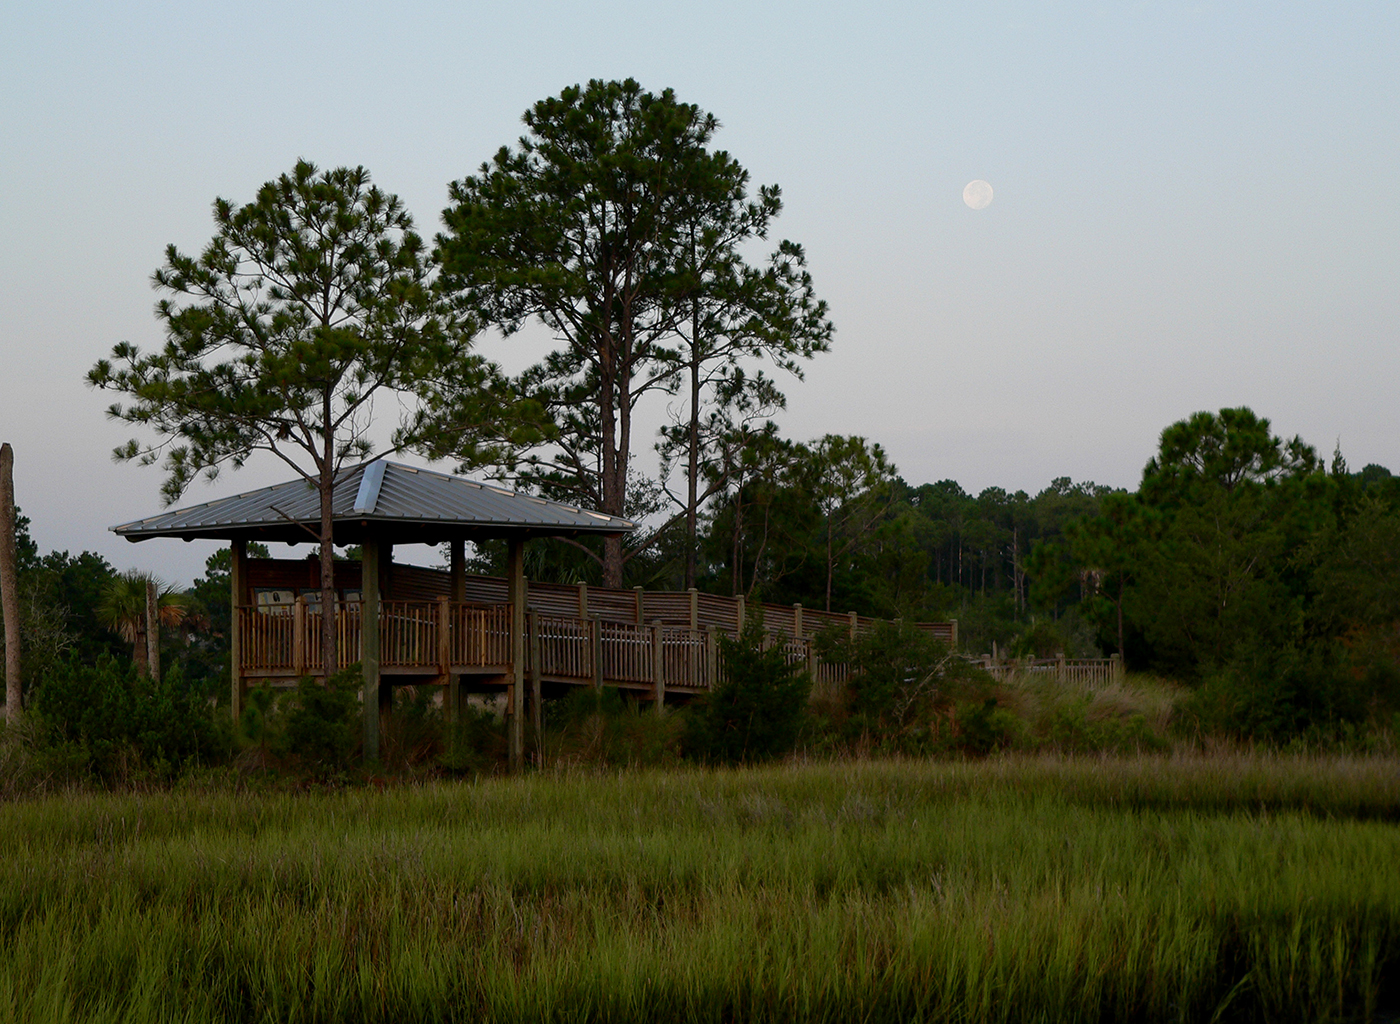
[[900, 678], [984, 727], [1276, 695], [1072, 730], [122, 721], [314, 728], [475, 741], [323, 720], [755, 712]]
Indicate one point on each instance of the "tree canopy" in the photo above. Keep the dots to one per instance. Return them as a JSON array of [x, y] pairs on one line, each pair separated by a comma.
[[614, 224], [308, 302]]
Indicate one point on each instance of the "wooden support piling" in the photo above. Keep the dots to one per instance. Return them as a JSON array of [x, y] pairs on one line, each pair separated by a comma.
[[595, 645], [238, 576], [299, 636], [515, 703], [711, 657], [369, 640], [536, 707], [658, 669]]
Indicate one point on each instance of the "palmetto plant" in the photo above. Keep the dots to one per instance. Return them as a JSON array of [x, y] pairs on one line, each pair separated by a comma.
[[123, 609]]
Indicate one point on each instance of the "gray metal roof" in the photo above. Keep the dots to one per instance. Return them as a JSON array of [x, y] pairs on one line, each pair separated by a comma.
[[388, 500]]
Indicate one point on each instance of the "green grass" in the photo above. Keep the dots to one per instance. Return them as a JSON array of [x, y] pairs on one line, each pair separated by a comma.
[[1036, 889]]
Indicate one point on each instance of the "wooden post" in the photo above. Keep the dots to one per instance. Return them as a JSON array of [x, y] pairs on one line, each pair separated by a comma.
[[953, 642], [457, 570], [515, 702], [595, 638], [238, 575], [855, 624], [1117, 666], [444, 653], [797, 621], [299, 636], [638, 593], [444, 636], [658, 669], [711, 656], [739, 613], [1060, 667], [152, 629], [694, 608], [369, 642], [532, 620]]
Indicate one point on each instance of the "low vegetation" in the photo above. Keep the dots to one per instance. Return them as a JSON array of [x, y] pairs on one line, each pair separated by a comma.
[[1016, 888]]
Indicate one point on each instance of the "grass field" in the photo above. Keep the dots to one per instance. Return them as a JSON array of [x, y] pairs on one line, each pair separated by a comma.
[[1035, 889]]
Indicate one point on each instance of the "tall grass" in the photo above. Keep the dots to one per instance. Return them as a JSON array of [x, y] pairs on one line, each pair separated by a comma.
[[1014, 889]]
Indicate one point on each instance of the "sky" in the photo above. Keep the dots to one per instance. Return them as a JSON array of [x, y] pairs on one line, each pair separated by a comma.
[[1197, 205]]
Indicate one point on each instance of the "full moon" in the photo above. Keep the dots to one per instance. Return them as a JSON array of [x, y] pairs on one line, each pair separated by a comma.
[[978, 194]]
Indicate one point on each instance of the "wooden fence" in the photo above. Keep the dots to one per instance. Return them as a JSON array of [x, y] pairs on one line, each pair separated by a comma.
[[1079, 671]]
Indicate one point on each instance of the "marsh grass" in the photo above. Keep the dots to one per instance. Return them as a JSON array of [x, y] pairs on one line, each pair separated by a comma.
[[1172, 888]]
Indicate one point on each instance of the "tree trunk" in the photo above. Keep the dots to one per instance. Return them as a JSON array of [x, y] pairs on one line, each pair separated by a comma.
[[1120, 615], [736, 569], [9, 584], [153, 629], [693, 467], [140, 649], [614, 457], [327, 489], [829, 562]]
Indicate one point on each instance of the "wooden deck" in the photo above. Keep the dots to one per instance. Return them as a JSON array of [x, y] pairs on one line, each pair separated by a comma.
[[432, 641]]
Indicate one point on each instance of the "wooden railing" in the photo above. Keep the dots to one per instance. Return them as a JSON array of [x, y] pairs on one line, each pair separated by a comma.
[[1080, 671], [441, 637], [480, 634]]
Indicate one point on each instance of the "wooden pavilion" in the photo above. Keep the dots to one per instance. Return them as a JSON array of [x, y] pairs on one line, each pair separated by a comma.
[[379, 611]]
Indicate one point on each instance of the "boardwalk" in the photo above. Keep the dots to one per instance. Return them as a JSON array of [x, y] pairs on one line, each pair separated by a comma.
[[641, 640]]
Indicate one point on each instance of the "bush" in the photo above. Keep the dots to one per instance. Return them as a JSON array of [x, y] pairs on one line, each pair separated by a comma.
[[475, 741], [119, 721], [324, 722], [1072, 730], [901, 677], [316, 727], [1276, 695], [755, 712], [983, 728]]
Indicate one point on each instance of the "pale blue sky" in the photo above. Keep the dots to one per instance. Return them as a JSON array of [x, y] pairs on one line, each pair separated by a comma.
[[1197, 205]]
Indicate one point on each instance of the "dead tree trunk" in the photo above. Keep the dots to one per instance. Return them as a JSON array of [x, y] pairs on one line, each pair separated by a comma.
[[9, 584], [153, 629]]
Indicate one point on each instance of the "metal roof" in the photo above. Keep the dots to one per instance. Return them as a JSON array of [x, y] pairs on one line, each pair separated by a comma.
[[387, 500]]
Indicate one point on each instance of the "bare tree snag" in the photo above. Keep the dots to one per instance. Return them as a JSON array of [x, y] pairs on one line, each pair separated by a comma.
[[9, 584]]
